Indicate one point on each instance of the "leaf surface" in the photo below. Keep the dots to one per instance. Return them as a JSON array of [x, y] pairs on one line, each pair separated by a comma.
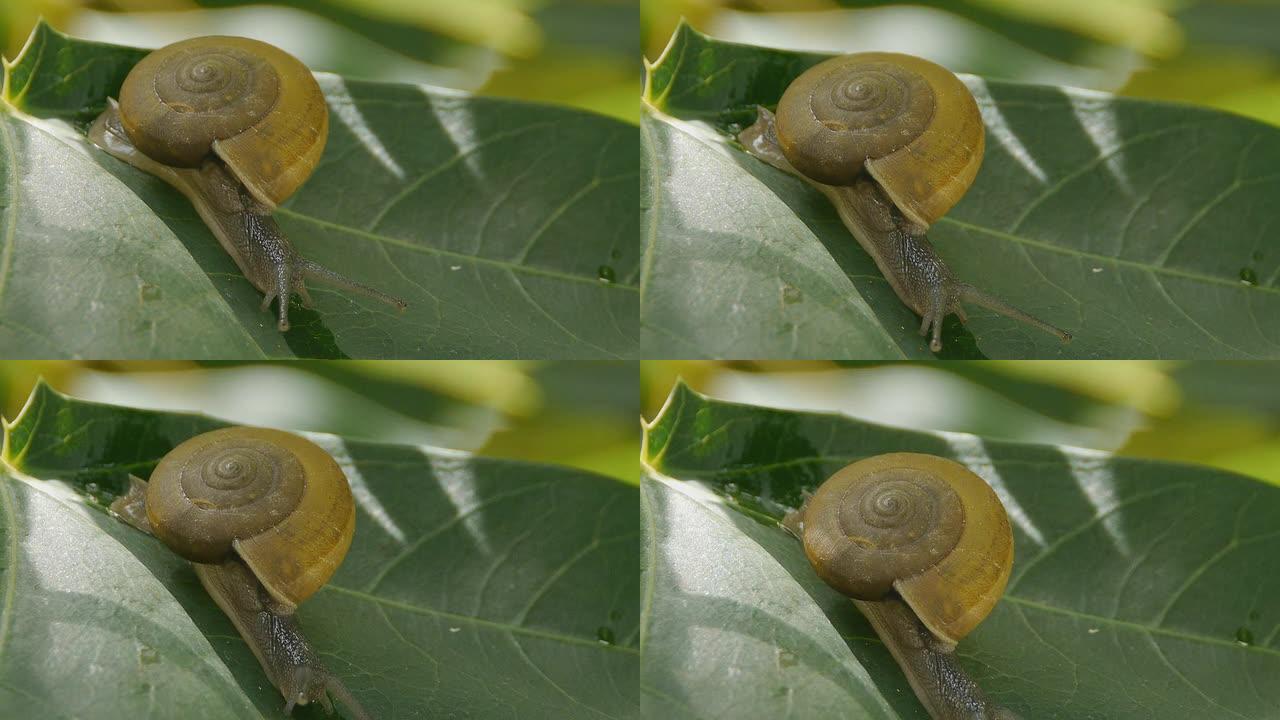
[[1145, 229], [476, 587], [1140, 589], [508, 227]]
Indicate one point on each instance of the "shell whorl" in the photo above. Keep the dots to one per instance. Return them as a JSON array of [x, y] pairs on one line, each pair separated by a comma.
[[909, 123], [276, 500], [871, 529], [848, 110], [225, 489], [920, 525], [182, 98], [252, 105]]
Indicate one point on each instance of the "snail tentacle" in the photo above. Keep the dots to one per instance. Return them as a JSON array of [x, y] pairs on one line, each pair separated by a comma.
[[969, 293], [315, 271], [340, 692]]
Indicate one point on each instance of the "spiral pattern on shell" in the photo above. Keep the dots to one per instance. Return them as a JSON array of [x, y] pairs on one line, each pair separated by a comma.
[[252, 105], [217, 78], [275, 500], [225, 489], [919, 525], [895, 509], [883, 525], [848, 110], [180, 99], [869, 96]]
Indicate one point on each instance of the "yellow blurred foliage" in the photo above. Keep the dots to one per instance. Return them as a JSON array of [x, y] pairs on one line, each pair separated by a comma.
[[1233, 433]]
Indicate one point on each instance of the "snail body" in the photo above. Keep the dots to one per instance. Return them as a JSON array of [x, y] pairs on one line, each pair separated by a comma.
[[924, 548], [237, 126], [266, 518], [893, 141]]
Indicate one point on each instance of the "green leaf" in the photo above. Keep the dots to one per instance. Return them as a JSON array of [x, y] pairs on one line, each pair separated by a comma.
[[1140, 589], [1145, 229], [495, 220], [473, 587]]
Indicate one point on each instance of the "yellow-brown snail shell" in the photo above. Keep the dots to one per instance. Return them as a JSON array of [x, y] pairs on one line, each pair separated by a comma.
[[276, 500], [921, 525], [250, 103]]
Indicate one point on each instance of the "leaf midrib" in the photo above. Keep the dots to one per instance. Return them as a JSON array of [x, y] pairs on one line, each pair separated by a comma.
[[1073, 252], [11, 558], [453, 254], [481, 622], [651, 237], [11, 208], [1139, 627]]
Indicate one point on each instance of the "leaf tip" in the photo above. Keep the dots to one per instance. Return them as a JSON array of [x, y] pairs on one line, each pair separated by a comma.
[[39, 31], [654, 438], [683, 30], [8, 454]]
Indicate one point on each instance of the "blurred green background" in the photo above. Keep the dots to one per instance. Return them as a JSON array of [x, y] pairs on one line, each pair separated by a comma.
[[1222, 414], [1220, 53], [581, 414], [570, 52]]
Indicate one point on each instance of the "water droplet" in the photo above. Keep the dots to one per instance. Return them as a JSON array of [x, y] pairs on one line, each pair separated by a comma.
[[606, 274], [1097, 270], [1094, 631], [791, 295], [1244, 636], [786, 658], [605, 635], [1248, 276], [455, 629], [455, 268], [148, 655]]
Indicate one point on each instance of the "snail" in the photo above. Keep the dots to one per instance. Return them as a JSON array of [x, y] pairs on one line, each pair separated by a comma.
[[893, 141], [237, 126], [924, 548], [265, 517]]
